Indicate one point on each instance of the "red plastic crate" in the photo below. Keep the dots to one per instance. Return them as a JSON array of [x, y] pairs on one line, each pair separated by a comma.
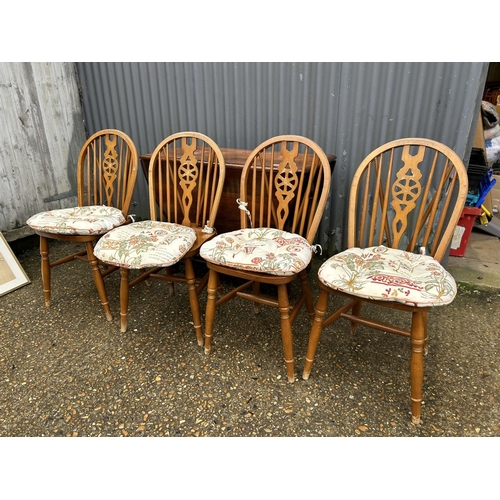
[[463, 230]]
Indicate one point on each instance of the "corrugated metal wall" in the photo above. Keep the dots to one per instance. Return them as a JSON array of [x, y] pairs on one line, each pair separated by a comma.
[[41, 134], [347, 108]]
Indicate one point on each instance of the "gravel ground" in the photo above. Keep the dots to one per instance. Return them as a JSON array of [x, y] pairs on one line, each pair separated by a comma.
[[66, 371]]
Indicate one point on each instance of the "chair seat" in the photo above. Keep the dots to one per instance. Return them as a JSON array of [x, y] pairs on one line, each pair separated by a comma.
[[382, 273], [145, 244], [264, 250], [96, 219]]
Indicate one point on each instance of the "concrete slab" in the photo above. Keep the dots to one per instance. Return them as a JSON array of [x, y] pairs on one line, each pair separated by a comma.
[[480, 266]]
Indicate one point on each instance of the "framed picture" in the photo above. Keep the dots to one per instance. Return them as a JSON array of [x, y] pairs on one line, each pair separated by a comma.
[[12, 275]]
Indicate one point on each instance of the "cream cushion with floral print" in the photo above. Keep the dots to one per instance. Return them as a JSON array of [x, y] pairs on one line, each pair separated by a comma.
[[383, 273], [95, 219], [264, 250], [145, 244]]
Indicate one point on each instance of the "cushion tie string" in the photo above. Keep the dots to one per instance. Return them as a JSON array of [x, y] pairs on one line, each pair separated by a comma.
[[131, 217], [317, 248], [242, 205], [207, 229]]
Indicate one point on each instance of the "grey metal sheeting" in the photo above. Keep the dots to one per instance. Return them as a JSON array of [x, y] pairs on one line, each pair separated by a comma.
[[347, 108]]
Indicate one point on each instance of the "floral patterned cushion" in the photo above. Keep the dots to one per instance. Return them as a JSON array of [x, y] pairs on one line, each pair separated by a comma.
[[264, 250], [95, 219], [145, 244], [383, 273]]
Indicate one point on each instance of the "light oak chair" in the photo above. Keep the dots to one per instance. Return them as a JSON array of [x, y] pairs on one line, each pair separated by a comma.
[[186, 177], [285, 184], [106, 175], [406, 199]]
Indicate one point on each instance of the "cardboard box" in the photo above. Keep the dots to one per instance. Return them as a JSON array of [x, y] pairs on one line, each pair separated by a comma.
[[478, 141]]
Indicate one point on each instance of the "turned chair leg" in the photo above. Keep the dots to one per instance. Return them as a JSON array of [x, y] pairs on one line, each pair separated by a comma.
[[356, 311], [256, 292], [99, 281], [213, 283], [148, 279], [315, 334], [286, 331], [306, 291], [171, 287], [219, 285], [426, 335], [44, 252], [417, 364], [124, 292], [193, 299]]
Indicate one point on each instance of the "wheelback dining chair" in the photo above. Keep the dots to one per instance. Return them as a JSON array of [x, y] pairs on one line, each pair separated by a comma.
[[405, 200], [106, 175], [284, 186], [185, 179]]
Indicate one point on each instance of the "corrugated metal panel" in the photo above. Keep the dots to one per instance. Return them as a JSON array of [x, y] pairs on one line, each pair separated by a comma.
[[385, 101], [347, 108], [41, 136]]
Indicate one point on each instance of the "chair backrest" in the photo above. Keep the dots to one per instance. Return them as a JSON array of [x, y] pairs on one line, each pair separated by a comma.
[[285, 183], [186, 177], [107, 170], [407, 194]]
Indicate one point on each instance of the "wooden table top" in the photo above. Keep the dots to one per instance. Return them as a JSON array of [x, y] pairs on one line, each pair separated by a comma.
[[235, 157]]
